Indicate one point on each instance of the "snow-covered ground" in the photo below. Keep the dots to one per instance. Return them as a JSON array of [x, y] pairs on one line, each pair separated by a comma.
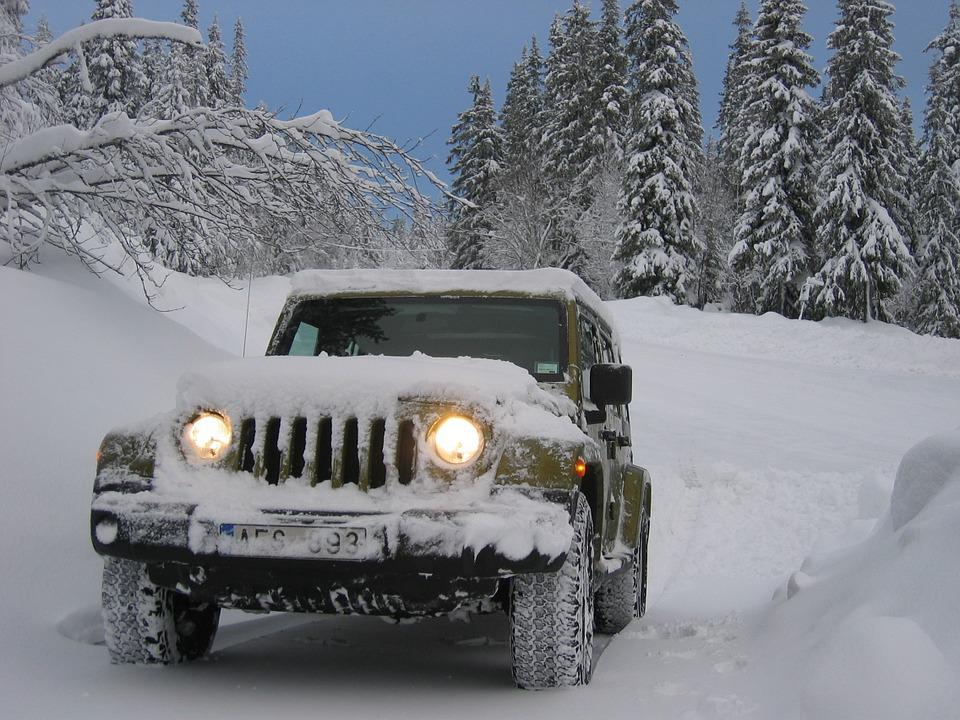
[[776, 593]]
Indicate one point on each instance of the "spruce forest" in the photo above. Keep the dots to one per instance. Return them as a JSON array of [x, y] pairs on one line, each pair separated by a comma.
[[811, 198], [804, 206]]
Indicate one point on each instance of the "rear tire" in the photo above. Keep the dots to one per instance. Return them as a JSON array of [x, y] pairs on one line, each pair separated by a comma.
[[616, 601], [623, 597], [145, 624], [551, 616]]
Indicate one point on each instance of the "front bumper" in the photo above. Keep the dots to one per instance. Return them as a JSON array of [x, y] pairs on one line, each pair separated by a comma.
[[413, 542]]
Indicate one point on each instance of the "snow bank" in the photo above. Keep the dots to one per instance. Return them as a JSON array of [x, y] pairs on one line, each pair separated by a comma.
[[874, 630], [924, 472], [75, 360], [835, 342]]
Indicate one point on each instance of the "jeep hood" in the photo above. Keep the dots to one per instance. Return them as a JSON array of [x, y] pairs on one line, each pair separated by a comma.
[[372, 386]]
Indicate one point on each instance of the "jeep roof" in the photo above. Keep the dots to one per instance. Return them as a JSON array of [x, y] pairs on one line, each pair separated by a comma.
[[543, 283]]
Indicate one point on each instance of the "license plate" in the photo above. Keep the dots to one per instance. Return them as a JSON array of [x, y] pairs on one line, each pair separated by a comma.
[[334, 542]]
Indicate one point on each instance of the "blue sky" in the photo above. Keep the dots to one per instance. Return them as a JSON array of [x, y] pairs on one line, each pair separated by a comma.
[[402, 65]]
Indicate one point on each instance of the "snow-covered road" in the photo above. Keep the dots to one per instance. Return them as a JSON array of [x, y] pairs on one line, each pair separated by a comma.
[[768, 441]]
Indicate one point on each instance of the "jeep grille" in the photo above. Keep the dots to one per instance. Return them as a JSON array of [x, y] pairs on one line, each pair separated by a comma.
[[340, 450]]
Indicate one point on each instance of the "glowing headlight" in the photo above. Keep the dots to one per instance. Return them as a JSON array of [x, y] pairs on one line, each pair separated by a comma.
[[207, 435], [456, 440]]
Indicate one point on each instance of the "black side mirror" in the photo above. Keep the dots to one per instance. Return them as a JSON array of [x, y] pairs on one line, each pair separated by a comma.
[[611, 384]]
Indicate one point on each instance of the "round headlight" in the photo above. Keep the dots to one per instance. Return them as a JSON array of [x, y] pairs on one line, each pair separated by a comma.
[[207, 435], [456, 440]]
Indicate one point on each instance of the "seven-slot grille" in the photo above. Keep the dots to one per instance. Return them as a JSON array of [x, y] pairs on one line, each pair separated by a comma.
[[340, 450]]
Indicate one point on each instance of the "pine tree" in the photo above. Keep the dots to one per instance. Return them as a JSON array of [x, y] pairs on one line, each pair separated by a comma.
[[522, 220], [774, 234], [717, 220], [191, 61], [238, 65], [522, 110], [657, 241], [476, 155], [565, 146], [169, 70], [115, 72], [609, 103], [908, 161], [733, 99], [218, 84], [862, 239], [156, 63], [43, 88], [938, 211]]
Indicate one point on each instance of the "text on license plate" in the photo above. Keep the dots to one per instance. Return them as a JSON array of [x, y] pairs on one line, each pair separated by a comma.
[[339, 542]]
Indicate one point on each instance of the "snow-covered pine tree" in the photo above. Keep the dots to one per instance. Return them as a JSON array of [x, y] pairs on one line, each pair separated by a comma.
[[521, 221], [717, 220], [565, 146], [156, 64], [909, 149], [215, 68], [115, 72], [522, 109], [609, 104], [863, 243], [168, 92], [191, 61], [774, 233], [938, 191], [476, 155], [570, 152], [733, 98], [238, 65], [938, 288], [657, 241], [43, 89]]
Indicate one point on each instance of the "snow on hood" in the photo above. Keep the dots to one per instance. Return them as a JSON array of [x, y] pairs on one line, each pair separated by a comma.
[[368, 386]]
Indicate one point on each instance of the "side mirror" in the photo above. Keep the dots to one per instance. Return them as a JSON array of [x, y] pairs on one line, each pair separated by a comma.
[[611, 384]]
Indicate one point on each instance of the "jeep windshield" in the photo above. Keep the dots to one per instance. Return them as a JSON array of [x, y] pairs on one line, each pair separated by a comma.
[[526, 332]]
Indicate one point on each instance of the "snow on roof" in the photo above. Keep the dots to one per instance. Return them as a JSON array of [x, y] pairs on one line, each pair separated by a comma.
[[546, 282]]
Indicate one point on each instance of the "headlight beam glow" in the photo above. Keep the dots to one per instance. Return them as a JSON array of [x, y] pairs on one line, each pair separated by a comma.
[[208, 435], [456, 440]]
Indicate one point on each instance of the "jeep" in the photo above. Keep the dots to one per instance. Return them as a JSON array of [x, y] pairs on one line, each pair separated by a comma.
[[413, 444]]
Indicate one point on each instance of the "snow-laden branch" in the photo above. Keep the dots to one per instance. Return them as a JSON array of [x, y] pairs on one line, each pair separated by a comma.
[[136, 28], [206, 180]]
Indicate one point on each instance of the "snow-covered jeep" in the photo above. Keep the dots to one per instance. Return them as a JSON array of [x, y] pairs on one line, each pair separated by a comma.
[[413, 444]]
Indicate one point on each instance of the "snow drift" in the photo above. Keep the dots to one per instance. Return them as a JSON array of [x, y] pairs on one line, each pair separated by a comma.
[[874, 630]]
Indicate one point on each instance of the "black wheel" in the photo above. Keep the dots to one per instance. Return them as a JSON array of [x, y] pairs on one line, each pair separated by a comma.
[[551, 616], [146, 624]]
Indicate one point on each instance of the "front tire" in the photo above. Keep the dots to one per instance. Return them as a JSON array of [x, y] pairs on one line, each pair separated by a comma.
[[145, 624], [551, 616]]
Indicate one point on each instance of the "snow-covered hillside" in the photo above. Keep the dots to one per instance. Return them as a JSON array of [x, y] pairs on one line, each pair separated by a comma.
[[774, 447]]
